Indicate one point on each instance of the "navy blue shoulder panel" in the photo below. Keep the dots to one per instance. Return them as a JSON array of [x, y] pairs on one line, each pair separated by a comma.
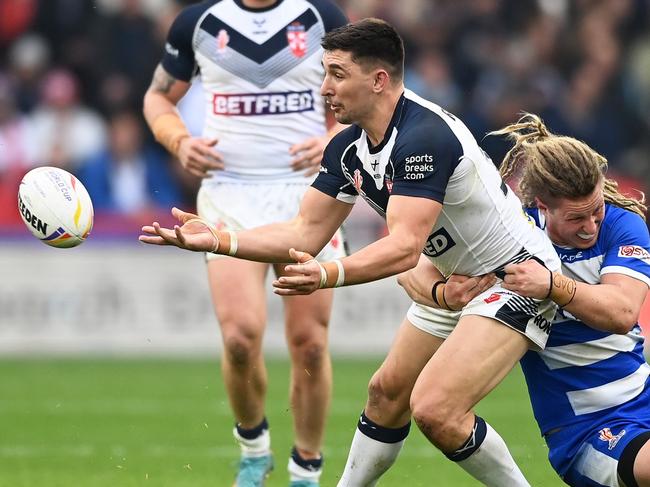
[[331, 14], [331, 179], [425, 155], [178, 59]]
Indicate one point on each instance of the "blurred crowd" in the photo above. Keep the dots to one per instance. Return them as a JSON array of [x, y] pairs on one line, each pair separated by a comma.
[[73, 74]]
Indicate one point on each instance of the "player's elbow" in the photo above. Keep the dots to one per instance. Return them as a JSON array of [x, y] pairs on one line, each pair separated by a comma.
[[409, 255], [625, 320]]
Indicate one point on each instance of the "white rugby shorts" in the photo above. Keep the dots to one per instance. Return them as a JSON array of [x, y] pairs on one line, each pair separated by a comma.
[[528, 316], [240, 206]]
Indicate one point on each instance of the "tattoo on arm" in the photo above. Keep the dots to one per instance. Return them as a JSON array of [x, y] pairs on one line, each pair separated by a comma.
[[162, 81]]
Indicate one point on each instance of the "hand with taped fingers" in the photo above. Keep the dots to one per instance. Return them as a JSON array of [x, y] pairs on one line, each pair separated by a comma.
[[198, 157], [193, 234], [306, 275], [308, 154], [529, 279]]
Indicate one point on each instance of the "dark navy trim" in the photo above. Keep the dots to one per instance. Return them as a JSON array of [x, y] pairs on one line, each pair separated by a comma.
[[182, 66], [380, 433], [473, 443], [331, 14], [241, 5]]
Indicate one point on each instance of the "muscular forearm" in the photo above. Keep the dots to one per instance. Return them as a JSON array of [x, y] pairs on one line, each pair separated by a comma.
[[156, 104], [603, 307], [271, 243], [386, 257]]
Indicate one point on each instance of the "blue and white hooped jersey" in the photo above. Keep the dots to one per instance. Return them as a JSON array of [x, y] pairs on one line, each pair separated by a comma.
[[429, 153], [261, 73], [584, 373]]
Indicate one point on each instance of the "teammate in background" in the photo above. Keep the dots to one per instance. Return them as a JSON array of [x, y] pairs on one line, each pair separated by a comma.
[[419, 166], [590, 387], [260, 65]]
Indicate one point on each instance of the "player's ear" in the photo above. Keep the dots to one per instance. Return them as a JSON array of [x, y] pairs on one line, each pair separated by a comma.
[[380, 80], [541, 206]]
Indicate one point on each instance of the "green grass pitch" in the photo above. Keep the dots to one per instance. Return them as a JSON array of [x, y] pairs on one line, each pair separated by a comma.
[[89, 422]]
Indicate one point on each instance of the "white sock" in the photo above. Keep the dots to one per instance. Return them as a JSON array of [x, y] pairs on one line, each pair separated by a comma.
[[296, 472], [369, 457], [491, 462], [256, 447]]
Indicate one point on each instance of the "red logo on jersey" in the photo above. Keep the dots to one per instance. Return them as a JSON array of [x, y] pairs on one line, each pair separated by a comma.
[[297, 38], [358, 180], [222, 41], [633, 251], [492, 298], [335, 241]]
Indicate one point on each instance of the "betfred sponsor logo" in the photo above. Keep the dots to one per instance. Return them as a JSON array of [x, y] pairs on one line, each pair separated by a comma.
[[438, 243], [262, 104], [633, 251]]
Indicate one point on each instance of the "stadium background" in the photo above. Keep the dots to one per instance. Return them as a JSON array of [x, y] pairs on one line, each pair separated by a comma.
[[108, 353]]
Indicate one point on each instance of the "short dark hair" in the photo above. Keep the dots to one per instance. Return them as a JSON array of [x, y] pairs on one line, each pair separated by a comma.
[[370, 41]]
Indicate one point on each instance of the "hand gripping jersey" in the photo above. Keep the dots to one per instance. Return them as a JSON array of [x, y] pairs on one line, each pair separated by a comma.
[[429, 153], [261, 73], [585, 374]]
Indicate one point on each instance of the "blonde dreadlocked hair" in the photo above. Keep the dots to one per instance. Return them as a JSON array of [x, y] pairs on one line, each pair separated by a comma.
[[555, 166]]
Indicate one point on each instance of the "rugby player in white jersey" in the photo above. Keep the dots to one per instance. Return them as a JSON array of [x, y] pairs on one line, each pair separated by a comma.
[[259, 62], [590, 386], [419, 166]]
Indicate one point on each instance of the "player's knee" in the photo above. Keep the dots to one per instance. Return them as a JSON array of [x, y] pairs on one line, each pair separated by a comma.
[[386, 387], [240, 348], [434, 415], [308, 351]]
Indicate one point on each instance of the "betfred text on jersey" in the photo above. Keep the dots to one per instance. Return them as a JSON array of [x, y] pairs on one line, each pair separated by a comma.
[[262, 104]]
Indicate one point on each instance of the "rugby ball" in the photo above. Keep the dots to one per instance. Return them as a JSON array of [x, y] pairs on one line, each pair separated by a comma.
[[55, 206]]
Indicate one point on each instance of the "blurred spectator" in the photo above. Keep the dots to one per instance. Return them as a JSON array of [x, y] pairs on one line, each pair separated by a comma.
[[15, 18], [16, 151], [68, 132], [129, 176], [29, 58], [128, 48], [430, 78]]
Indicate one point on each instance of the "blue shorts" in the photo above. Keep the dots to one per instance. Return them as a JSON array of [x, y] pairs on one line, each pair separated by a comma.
[[586, 454]]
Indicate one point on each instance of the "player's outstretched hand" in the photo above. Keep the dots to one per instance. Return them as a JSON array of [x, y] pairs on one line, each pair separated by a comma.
[[304, 278], [197, 156], [308, 154], [193, 233], [529, 278]]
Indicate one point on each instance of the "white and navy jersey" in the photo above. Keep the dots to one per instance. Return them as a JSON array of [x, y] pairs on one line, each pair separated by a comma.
[[584, 373], [428, 153], [261, 73]]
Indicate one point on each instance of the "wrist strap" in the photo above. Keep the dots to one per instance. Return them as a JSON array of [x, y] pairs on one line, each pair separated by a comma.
[[335, 273], [438, 295], [225, 242], [323, 273]]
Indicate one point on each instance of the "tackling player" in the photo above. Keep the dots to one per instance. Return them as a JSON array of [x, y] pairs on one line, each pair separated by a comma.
[[259, 62], [420, 167], [590, 387]]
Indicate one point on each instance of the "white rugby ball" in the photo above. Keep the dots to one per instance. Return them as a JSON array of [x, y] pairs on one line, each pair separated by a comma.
[[55, 206]]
